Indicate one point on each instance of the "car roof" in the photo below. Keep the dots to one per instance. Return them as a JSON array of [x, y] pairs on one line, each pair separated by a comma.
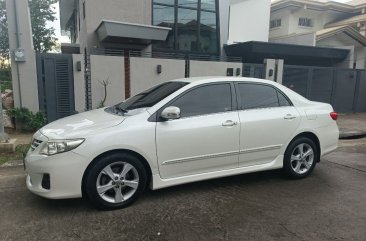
[[211, 79]]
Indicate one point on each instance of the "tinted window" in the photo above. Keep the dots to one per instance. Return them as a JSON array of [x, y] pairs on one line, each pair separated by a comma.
[[282, 100], [260, 96], [193, 25], [151, 96], [205, 100]]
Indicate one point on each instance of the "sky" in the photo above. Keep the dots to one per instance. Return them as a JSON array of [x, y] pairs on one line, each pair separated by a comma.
[[65, 39], [56, 25]]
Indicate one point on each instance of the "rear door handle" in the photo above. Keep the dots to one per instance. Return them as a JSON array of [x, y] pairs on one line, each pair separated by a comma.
[[229, 123], [289, 117]]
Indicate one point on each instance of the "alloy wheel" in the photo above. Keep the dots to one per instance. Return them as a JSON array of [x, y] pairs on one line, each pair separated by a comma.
[[117, 182], [302, 158]]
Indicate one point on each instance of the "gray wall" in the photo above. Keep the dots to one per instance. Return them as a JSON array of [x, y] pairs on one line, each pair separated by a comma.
[[144, 72], [111, 68], [210, 68], [25, 94], [301, 39], [130, 11]]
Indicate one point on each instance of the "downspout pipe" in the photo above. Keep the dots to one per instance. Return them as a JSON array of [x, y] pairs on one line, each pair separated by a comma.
[[18, 46]]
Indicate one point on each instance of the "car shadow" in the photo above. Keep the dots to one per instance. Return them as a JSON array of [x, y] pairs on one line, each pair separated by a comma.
[[152, 196], [242, 180]]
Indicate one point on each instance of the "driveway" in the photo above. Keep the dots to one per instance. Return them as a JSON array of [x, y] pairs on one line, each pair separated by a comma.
[[328, 205]]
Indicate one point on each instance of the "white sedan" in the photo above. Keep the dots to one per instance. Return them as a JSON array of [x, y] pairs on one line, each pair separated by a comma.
[[178, 132]]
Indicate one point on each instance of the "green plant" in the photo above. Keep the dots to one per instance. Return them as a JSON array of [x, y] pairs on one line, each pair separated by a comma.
[[104, 83], [20, 114], [20, 152], [22, 149], [28, 120]]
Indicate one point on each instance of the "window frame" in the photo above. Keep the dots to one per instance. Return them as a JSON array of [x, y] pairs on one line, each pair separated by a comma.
[[238, 96], [156, 117], [275, 22], [305, 19]]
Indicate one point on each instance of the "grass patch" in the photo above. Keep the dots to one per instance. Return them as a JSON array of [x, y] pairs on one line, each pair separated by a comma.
[[19, 154]]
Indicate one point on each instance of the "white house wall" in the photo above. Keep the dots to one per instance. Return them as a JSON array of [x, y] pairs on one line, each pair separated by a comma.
[[303, 39], [210, 68], [283, 30], [357, 51], [144, 74], [109, 68], [249, 20], [290, 20]]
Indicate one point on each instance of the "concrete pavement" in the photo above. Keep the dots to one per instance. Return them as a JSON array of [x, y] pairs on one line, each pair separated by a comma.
[[352, 125], [328, 205]]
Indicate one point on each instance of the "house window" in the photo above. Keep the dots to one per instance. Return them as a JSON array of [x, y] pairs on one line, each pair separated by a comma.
[[194, 25], [83, 10], [305, 22], [275, 23]]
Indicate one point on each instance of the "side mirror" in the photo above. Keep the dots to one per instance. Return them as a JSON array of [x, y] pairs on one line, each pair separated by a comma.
[[170, 113]]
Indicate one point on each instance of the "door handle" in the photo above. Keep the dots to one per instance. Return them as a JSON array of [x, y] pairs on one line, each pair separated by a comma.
[[289, 117], [229, 123]]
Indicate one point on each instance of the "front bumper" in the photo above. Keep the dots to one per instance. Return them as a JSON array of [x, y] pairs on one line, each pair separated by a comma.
[[65, 172]]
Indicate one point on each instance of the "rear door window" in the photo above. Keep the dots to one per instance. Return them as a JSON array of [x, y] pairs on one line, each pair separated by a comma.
[[255, 96]]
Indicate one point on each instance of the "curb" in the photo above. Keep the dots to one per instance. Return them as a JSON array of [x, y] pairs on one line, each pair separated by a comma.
[[12, 164], [351, 134]]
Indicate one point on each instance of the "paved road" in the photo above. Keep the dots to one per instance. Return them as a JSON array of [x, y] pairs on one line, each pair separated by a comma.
[[328, 205]]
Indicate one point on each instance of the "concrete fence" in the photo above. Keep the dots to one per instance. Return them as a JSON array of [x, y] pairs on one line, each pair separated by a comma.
[[134, 76], [111, 70], [211, 68], [147, 72]]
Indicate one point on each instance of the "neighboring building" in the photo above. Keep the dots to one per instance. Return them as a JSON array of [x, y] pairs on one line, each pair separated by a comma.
[[322, 23], [186, 26]]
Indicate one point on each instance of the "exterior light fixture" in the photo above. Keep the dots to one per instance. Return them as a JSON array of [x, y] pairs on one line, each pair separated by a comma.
[[159, 69]]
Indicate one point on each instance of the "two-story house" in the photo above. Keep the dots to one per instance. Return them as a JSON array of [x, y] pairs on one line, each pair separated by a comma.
[[182, 26], [322, 23]]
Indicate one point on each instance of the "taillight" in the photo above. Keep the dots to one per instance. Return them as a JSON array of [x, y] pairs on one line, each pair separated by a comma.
[[334, 115]]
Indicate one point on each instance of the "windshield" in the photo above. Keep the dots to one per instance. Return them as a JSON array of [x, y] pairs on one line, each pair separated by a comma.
[[149, 97]]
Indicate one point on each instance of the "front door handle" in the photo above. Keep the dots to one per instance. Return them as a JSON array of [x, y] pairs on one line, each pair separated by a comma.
[[289, 117], [229, 123]]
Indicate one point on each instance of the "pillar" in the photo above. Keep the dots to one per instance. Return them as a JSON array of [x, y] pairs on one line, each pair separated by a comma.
[[22, 55]]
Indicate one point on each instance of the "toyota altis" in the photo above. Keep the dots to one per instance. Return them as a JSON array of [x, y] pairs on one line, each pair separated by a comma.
[[178, 132]]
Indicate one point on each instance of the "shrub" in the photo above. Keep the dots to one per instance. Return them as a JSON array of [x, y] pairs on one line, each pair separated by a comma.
[[28, 120]]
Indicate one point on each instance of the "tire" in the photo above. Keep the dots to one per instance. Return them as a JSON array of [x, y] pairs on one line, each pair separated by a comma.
[[300, 158], [115, 181]]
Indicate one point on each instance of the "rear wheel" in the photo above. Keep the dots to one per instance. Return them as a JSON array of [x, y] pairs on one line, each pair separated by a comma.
[[300, 158], [115, 181]]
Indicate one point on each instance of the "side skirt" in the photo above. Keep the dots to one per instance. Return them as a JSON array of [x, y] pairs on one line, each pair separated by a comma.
[[158, 183]]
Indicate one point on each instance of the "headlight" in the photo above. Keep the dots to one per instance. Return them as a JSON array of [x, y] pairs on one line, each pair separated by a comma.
[[58, 146]]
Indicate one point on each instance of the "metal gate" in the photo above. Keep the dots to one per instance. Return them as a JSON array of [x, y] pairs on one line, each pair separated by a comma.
[[55, 85], [254, 70], [345, 89]]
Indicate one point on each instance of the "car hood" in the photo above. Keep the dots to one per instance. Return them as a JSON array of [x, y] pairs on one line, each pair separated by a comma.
[[81, 125]]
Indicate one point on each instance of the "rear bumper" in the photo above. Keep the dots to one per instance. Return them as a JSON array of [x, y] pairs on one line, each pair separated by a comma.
[[328, 138], [65, 172]]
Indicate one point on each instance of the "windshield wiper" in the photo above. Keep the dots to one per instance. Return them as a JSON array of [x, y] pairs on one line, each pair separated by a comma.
[[120, 109]]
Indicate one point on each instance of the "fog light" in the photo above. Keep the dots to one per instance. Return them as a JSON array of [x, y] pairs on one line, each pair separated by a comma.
[[46, 181]]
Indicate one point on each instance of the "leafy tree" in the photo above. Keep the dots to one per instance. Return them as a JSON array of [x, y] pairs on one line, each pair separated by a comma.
[[41, 12], [4, 38]]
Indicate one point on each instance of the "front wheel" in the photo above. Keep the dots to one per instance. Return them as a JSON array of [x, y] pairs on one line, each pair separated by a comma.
[[300, 158], [115, 181]]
